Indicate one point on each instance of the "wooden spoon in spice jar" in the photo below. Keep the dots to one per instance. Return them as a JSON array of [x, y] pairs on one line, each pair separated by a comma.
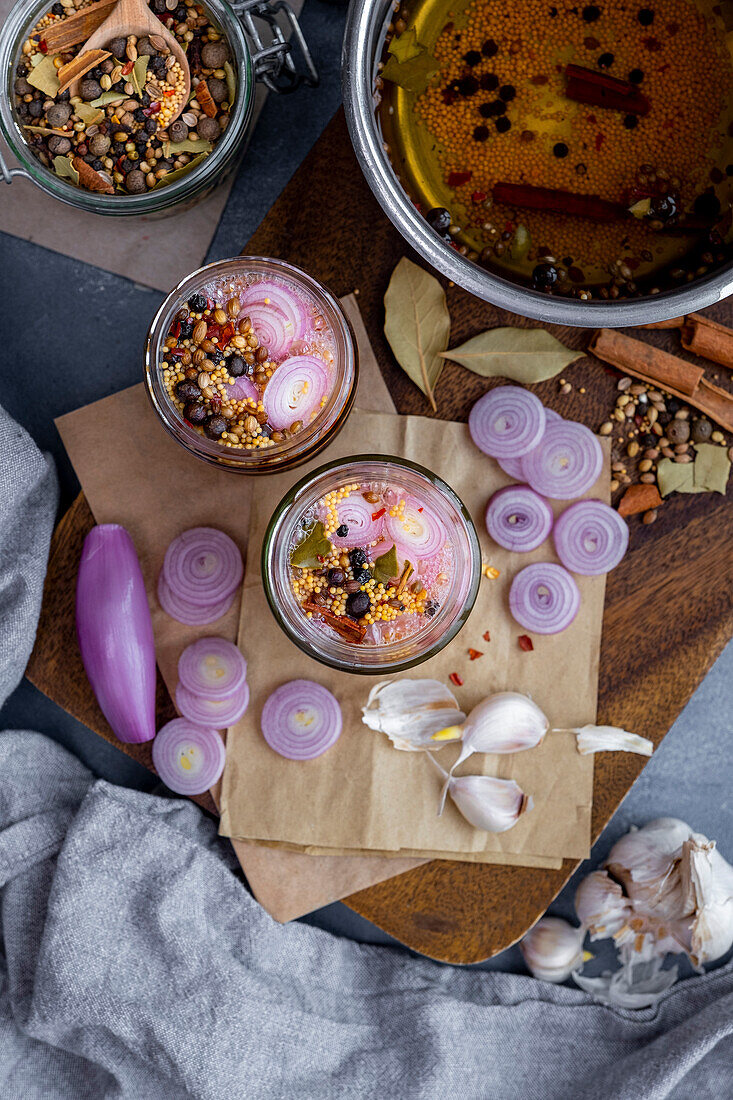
[[130, 17]]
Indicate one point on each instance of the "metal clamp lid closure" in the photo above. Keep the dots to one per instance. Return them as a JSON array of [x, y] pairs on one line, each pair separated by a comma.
[[274, 63]]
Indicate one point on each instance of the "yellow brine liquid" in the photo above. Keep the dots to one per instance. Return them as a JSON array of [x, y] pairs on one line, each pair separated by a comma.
[[473, 94]]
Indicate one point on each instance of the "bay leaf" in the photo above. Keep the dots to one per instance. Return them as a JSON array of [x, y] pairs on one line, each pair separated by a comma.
[[525, 355], [46, 130], [63, 167], [138, 74], [231, 83], [310, 550], [89, 115], [522, 242], [712, 468], [108, 97], [173, 148], [386, 567], [405, 46], [413, 75], [45, 77], [178, 172], [675, 477], [417, 325]]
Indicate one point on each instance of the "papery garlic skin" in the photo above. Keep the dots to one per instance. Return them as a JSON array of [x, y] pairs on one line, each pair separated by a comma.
[[553, 949], [601, 905], [502, 723], [611, 739], [409, 712], [493, 805], [711, 880]]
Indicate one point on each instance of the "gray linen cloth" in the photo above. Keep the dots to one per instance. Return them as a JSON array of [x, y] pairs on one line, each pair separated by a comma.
[[134, 965]]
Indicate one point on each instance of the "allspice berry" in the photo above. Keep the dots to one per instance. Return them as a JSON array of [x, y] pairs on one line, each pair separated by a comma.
[[135, 182], [178, 130], [90, 89], [678, 431], [214, 54], [702, 429], [207, 129]]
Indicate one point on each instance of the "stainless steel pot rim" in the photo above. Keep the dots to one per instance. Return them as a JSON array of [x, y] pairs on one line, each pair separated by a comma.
[[362, 25]]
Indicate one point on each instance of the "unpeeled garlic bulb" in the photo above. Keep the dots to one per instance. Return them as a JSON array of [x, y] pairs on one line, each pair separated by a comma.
[[502, 723], [647, 861], [611, 739], [553, 949], [601, 905], [493, 805], [411, 711]]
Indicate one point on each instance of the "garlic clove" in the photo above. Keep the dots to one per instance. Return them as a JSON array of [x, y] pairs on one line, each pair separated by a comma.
[[647, 863], [409, 712], [553, 949], [601, 905], [493, 805], [611, 739], [710, 880], [503, 723]]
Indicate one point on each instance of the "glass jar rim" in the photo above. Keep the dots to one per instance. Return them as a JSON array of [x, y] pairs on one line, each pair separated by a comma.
[[342, 664], [307, 442], [22, 17]]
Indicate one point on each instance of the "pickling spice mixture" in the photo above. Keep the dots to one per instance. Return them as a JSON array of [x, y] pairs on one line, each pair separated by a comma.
[[228, 384], [585, 148], [371, 593], [114, 135]]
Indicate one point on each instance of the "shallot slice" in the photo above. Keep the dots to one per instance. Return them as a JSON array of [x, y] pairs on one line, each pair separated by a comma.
[[507, 422], [301, 720], [188, 758]]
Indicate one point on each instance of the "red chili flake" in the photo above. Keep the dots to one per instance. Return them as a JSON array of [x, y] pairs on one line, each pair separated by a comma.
[[213, 330], [509, 227], [320, 557], [478, 196], [154, 107], [187, 422], [474, 653], [457, 179], [178, 353], [169, 91], [419, 509], [127, 68], [525, 643], [379, 514], [486, 636], [638, 419], [456, 679], [175, 329], [600, 138], [215, 402], [226, 333], [42, 46]]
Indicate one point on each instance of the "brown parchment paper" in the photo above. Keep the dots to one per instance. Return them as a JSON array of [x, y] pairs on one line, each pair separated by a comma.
[[150, 251], [365, 795], [133, 473]]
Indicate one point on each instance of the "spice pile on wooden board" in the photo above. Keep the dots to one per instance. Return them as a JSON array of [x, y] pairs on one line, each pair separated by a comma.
[[662, 439]]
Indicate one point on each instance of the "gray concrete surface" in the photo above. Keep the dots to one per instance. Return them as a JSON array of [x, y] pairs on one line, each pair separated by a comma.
[[70, 334]]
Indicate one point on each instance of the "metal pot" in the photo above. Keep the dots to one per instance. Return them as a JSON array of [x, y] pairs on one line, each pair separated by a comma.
[[269, 59], [366, 30]]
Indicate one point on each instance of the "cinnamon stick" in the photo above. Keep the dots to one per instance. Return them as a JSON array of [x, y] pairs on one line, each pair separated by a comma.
[[555, 201], [707, 338], [80, 65], [600, 90], [205, 100], [675, 375], [674, 322], [77, 28], [347, 628]]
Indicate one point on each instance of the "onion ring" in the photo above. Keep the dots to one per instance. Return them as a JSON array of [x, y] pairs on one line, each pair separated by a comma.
[[357, 514], [513, 466], [590, 538], [301, 719], [518, 518], [295, 391], [417, 531], [567, 462], [202, 567], [507, 422], [544, 598], [217, 713], [188, 758], [213, 668]]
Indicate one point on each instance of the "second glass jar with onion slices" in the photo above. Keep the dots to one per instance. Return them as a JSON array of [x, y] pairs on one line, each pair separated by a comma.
[[251, 364], [371, 564]]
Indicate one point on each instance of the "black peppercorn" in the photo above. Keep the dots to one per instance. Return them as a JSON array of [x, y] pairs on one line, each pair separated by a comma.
[[544, 276], [336, 577], [357, 605], [438, 219], [342, 531], [357, 557], [237, 366], [188, 391], [195, 412], [215, 427], [197, 303]]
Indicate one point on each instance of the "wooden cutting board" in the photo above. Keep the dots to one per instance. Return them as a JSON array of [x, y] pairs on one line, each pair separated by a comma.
[[668, 610]]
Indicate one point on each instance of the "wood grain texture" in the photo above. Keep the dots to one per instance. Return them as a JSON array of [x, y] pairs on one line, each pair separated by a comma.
[[668, 605]]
